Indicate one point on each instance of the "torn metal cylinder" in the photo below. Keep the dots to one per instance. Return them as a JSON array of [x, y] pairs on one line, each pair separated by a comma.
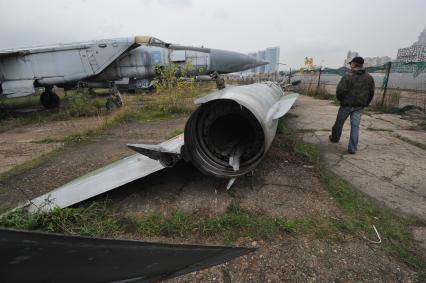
[[231, 131]]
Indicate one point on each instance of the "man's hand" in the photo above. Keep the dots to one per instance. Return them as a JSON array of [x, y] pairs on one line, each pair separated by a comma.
[[342, 87]]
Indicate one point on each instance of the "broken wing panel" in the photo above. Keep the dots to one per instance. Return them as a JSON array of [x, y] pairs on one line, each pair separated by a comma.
[[167, 154], [41, 257], [102, 180], [281, 107]]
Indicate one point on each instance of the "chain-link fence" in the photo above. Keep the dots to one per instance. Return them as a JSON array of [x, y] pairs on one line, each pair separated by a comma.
[[398, 83]]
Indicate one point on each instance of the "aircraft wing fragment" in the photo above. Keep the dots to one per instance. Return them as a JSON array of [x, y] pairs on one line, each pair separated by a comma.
[[41, 257], [103, 180]]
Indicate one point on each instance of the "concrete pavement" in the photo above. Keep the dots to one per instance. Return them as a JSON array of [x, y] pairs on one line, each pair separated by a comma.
[[385, 167]]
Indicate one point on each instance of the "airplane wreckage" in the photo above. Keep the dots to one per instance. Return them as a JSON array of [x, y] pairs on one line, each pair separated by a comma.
[[107, 63], [226, 137], [43, 257]]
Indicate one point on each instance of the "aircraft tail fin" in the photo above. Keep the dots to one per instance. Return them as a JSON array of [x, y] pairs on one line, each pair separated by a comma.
[[167, 155]]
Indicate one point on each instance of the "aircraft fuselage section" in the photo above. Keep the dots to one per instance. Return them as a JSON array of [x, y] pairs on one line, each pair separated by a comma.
[[140, 63]]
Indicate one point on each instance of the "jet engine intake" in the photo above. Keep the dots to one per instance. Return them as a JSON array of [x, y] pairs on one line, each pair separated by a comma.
[[224, 139]]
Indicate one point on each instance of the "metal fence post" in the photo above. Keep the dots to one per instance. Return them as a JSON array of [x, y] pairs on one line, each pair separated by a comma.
[[289, 77], [319, 78], [385, 82]]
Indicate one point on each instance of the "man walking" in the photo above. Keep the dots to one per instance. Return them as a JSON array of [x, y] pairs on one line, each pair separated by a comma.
[[354, 91]]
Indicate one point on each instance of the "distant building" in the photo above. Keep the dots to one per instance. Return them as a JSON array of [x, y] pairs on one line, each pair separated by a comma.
[[368, 61], [261, 55], [349, 57], [414, 53], [270, 54]]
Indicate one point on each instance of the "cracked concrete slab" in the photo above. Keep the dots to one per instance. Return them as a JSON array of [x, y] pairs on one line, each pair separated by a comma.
[[385, 167]]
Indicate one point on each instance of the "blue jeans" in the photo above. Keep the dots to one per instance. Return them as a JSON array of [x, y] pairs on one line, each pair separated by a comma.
[[342, 115]]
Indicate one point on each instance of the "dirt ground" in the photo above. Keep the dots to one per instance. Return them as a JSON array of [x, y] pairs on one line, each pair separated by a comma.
[[73, 162], [279, 187], [21, 144]]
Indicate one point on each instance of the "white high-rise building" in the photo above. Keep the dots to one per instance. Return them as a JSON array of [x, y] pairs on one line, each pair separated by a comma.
[[349, 57], [270, 54], [368, 61]]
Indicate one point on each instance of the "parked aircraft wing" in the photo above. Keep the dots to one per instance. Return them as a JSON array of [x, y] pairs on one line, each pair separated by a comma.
[[41, 257], [5, 53], [102, 180], [60, 63]]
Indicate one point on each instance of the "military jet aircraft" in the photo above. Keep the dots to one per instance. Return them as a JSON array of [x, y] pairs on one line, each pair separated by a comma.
[[105, 63]]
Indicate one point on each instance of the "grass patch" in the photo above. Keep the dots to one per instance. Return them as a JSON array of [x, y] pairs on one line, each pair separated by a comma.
[[412, 142], [303, 151], [233, 224], [82, 104], [47, 140], [313, 90], [97, 220], [306, 151], [77, 104], [365, 212], [36, 118], [386, 105], [90, 220], [311, 130]]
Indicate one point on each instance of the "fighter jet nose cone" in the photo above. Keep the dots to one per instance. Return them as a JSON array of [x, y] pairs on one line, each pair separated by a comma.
[[260, 62], [224, 61]]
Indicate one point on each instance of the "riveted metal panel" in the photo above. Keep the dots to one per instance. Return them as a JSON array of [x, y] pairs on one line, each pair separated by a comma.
[[178, 55], [18, 88]]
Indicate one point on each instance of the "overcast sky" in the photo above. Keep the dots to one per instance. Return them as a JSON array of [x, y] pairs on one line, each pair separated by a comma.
[[322, 29]]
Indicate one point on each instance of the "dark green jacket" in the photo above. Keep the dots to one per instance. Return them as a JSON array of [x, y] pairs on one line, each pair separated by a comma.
[[356, 88]]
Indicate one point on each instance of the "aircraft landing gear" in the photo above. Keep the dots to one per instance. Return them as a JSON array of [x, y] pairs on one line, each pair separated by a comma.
[[115, 100], [49, 99]]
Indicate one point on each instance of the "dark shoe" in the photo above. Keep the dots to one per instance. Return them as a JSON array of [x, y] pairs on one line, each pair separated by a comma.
[[351, 151], [330, 137]]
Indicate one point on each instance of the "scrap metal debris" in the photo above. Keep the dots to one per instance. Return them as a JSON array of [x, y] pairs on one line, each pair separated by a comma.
[[42, 257]]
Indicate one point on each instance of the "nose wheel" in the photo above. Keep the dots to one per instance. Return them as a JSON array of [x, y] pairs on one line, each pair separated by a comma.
[[49, 99]]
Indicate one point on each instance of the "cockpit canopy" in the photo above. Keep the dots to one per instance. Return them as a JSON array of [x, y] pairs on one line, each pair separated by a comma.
[[149, 40]]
